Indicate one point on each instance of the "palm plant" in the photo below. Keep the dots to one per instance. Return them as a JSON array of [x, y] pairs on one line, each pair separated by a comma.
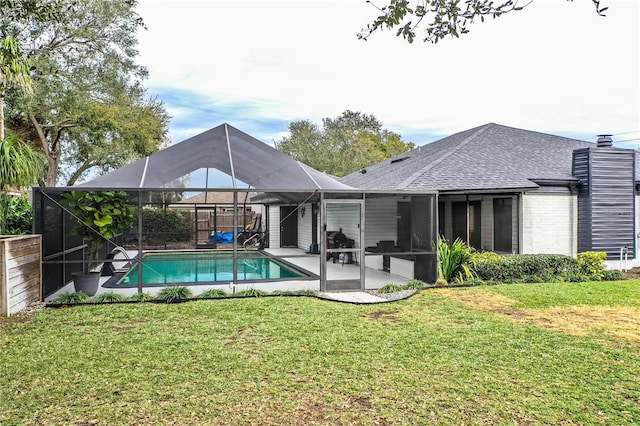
[[14, 72], [20, 166], [455, 260]]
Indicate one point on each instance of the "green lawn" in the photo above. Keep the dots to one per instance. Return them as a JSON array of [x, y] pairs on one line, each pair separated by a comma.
[[293, 360], [620, 293]]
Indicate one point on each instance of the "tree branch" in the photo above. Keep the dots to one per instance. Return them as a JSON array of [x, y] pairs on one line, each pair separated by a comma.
[[445, 17]]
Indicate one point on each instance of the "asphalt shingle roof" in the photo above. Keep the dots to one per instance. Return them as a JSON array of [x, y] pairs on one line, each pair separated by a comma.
[[489, 157]]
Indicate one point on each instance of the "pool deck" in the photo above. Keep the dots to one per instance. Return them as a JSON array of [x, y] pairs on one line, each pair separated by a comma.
[[374, 279]]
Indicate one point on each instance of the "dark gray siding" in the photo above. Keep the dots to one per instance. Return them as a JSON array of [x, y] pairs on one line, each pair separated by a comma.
[[606, 201], [581, 160]]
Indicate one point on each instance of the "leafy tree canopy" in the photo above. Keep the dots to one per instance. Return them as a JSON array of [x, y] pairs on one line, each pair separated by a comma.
[[89, 110], [342, 145], [440, 18]]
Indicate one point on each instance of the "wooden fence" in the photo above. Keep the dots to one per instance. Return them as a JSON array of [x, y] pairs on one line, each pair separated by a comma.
[[223, 222], [20, 272]]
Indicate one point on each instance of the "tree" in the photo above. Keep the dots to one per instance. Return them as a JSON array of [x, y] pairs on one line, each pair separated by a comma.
[[89, 110], [440, 18], [343, 145], [108, 136], [14, 72]]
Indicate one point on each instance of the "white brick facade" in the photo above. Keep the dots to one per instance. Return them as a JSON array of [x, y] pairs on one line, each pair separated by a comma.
[[550, 224]]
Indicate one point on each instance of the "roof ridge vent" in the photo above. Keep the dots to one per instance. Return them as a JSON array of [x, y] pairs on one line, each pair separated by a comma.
[[604, 141]]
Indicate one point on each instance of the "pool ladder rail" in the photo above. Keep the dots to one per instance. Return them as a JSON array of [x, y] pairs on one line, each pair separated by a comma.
[[112, 260]]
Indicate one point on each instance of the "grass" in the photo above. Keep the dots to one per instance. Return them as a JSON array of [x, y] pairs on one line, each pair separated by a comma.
[[617, 293], [430, 359]]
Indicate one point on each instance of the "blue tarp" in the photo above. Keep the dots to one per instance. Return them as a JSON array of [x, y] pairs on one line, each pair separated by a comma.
[[221, 237]]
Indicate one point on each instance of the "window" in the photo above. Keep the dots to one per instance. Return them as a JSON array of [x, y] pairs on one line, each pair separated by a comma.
[[502, 225]]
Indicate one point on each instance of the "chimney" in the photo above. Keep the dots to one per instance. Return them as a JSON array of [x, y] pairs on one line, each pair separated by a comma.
[[604, 141]]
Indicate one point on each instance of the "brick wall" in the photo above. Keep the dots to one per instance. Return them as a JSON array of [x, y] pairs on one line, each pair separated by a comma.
[[549, 224]]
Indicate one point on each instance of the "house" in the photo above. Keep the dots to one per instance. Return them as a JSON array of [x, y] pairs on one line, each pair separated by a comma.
[[511, 190]]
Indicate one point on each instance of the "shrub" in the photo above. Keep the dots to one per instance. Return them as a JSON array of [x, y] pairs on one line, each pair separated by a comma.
[[592, 263], [521, 266], [486, 256], [532, 279], [556, 279], [251, 292], [390, 288], [474, 281], [72, 298], [19, 216], [214, 293], [171, 225], [573, 277], [174, 294], [613, 275], [141, 297], [455, 261], [415, 285], [109, 297]]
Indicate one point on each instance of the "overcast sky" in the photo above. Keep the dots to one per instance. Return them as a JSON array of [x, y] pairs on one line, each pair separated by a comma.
[[556, 67]]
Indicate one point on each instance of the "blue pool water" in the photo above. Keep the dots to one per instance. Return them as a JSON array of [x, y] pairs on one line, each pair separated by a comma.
[[209, 267]]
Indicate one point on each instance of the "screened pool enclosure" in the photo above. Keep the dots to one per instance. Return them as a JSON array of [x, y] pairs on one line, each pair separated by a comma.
[[224, 210]]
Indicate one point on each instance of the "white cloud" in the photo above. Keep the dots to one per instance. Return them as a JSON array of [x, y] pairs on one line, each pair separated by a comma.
[[555, 67]]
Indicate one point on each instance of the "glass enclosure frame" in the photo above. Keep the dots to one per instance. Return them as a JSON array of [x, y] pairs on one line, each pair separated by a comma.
[[63, 252]]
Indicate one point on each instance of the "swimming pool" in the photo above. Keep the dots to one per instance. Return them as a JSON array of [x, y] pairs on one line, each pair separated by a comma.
[[191, 268]]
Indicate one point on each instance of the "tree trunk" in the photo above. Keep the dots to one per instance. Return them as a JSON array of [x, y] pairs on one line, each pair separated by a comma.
[[52, 171], [76, 175], [52, 155]]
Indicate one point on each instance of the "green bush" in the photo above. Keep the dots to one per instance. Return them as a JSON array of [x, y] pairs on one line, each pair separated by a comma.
[[391, 288], [171, 225], [251, 292], [613, 275], [486, 256], [415, 285], [18, 215], [141, 297], [70, 298], [455, 260], [592, 263], [521, 266], [573, 277], [109, 297], [174, 294], [532, 279], [214, 293]]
